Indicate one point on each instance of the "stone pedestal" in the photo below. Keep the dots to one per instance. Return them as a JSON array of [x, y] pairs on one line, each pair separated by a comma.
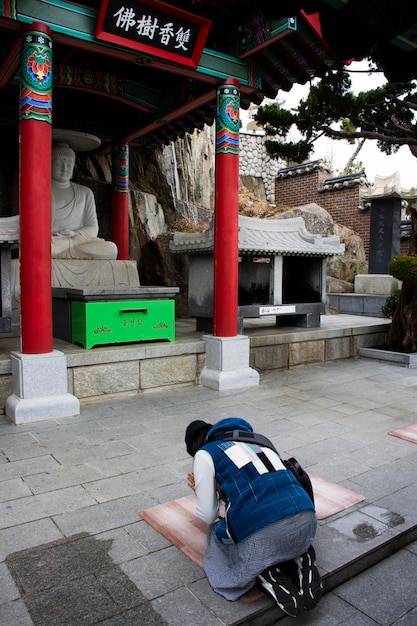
[[376, 284], [79, 274], [40, 388], [227, 363]]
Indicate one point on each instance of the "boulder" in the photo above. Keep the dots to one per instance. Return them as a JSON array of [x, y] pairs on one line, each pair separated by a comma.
[[335, 285], [353, 262], [317, 220]]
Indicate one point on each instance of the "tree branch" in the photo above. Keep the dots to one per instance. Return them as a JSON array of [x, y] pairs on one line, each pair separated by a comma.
[[378, 136]]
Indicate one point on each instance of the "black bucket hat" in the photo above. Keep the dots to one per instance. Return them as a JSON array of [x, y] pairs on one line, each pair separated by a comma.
[[194, 435]]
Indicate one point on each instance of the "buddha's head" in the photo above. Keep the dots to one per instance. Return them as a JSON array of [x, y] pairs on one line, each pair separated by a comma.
[[63, 161]]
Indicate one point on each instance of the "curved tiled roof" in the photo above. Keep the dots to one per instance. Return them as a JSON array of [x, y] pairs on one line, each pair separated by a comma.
[[302, 168], [343, 182], [389, 187], [263, 237]]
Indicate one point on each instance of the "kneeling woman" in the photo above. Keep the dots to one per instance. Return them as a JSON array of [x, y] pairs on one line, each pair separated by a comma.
[[268, 517]]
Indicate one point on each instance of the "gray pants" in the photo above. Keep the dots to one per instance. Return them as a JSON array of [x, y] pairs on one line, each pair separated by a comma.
[[232, 569]]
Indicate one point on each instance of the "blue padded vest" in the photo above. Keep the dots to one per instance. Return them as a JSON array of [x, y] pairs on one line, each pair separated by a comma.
[[253, 500]]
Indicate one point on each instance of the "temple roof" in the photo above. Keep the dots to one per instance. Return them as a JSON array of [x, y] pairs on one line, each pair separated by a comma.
[[122, 94], [344, 182], [287, 237]]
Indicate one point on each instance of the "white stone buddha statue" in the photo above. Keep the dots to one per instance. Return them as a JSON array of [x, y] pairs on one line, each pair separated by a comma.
[[74, 215]]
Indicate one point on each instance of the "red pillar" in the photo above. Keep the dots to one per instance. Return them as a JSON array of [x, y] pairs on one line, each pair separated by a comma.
[[120, 200], [226, 251], [35, 116]]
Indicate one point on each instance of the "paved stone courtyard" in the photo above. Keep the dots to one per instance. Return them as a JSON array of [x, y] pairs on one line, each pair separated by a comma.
[[73, 549]]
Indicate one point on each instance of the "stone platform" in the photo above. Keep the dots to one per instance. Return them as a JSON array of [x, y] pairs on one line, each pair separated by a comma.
[[357, 303], [130, 369], [370, 295]]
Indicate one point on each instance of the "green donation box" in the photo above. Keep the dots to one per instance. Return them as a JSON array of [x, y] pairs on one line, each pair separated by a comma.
[[98, 323]]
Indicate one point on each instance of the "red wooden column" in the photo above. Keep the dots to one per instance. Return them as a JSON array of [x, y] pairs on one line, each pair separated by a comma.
[[226, 252], [35, 115], [120, 199]]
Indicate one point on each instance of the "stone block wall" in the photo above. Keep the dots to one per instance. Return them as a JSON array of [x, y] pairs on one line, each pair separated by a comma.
[[144, 367], [254, 161], [274, 352]]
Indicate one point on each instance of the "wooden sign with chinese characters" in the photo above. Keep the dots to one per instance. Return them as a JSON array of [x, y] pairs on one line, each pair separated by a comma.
[[154, 28]]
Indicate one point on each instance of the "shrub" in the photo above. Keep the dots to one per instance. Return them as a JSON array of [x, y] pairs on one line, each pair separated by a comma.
[[391, 302], [404, 268]]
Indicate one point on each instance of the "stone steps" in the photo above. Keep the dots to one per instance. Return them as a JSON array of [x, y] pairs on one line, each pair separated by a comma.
[[357, 303], [352, 567]]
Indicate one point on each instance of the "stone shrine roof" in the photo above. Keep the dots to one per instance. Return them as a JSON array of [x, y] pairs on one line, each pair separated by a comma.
[[263, 237], [389, 187]]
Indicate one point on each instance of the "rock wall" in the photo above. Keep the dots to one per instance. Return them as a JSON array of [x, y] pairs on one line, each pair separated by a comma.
[[171, 188], [188, 167]]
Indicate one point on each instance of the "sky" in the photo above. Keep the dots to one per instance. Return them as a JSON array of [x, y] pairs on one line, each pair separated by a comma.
[[375, 162]]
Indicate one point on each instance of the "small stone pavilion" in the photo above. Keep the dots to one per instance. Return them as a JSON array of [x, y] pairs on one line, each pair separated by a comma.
[[282, 271]]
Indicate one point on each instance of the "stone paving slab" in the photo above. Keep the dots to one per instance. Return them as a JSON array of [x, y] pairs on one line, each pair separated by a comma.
[[27, 535], [394, 594]]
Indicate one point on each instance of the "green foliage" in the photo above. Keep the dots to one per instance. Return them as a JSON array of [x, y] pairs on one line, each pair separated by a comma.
[[391, 303], [385, 114], [289, 151], [275, 121], [356, 167], [347, 127], [404, 267]]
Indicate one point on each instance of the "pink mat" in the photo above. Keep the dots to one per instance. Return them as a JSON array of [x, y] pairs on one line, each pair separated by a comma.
[[178, 522], [409, 433], [331, 498]]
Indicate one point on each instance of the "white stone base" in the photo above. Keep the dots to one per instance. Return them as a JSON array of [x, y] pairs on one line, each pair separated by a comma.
[[80, 274], [376, 284], [227, 363], [40, 388]]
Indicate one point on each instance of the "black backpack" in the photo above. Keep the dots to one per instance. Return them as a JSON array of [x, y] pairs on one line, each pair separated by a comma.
[[291, 464]]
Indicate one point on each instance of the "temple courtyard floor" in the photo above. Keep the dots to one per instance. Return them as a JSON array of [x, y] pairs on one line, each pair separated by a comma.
[[75, 550]]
